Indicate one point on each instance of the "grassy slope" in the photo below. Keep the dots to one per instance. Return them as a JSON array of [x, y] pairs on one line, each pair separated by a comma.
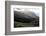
[[31, 24]]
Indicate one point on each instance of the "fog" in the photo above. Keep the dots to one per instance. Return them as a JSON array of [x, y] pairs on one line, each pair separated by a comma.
[[27, 9]]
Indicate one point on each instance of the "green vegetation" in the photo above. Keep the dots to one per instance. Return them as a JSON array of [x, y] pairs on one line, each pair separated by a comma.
[[31, 24]]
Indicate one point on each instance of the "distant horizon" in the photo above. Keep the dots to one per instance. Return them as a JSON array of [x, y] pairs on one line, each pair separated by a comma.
[[21, 8], [28, 11]]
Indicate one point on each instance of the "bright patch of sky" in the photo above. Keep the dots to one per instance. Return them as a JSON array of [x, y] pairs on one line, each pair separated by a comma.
[[27, 9]]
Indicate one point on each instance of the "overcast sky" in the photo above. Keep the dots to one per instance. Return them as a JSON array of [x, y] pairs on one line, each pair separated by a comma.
[[34, 9]]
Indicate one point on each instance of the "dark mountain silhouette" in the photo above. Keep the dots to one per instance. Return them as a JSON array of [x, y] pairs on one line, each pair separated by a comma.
[[25, 18]]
